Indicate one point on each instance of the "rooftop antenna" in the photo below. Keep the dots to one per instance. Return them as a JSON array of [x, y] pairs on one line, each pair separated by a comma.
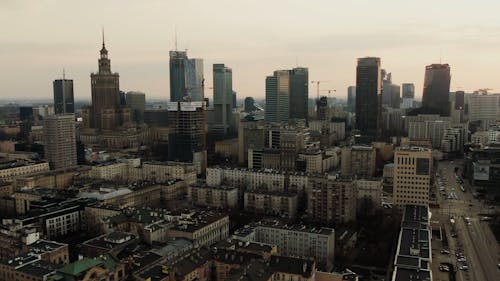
[[296, 61], [64, 74], [175, 38]]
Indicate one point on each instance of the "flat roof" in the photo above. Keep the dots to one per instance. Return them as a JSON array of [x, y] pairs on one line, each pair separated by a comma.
[[295, 227]]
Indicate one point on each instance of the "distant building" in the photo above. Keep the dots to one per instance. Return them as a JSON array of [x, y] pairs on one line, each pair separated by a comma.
[[368, 91], [249, 104], [351, 98], [137, 103], [186, 77], [322, 108], [435, 99], [222, 197], [223, 97], [408, 95], [64, 101], [287, 89], [412, 176], [280, 204], [60, 141]]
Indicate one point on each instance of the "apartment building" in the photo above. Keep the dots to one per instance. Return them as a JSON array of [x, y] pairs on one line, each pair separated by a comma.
[[359, 161], [218, 196], [280, 204], [331, 199], [12, 169]]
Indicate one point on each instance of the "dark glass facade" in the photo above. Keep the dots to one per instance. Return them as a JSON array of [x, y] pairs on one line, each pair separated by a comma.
[[435, 99], [368, 90], [63, 96]]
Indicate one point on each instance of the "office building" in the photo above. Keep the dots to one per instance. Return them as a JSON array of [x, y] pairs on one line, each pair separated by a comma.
[[287, 89], [435, 99], [408, 95], [136, 101], [252, 134], [222, 197], [351, 98], [249, 105], [459, 100], [299, 92], [484, 108], [186, 77], [412, 176], [60, 140], [368, 90], [390, 92], [322, 108], [187, 141], [223, 97], [64, 102]]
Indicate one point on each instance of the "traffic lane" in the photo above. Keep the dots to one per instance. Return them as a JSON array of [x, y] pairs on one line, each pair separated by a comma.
[[473, 261], [488, 250]]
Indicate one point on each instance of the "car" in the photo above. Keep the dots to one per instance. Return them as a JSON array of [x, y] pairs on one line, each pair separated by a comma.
[[454, 235], [444, 268], [464, 268], [446, 252], [486, 219], [461, 259], [459, 255]]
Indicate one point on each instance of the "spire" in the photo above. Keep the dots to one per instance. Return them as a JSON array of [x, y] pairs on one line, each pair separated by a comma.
[[103, 44], [175, 38]]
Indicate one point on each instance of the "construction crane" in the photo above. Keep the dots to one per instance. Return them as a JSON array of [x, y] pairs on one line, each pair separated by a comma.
[[317, 86], [329, 91], [484, 91]]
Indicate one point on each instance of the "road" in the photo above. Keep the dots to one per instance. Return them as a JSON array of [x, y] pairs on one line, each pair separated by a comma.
[[475, 239]]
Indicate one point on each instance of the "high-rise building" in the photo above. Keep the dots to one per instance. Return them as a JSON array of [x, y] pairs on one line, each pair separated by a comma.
[[435, 99], [287, 89], [459, 100], [249, 104], [223, 96], [484, 108], [235, 99], [187, 141], [368, 87], [408, 95], [351, 98], [322, 108], [106, 112], [299, 92], [64, 101], [186, 77], [60, 140], [412, 175], [137, 103]]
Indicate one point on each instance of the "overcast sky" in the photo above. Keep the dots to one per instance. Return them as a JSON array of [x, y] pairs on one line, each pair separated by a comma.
[[254, 38]]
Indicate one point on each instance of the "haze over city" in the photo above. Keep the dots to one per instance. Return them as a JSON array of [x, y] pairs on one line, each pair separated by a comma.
[[40, 38]]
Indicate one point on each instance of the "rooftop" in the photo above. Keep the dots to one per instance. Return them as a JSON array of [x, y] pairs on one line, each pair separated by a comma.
[[295, 227], [111, 240]]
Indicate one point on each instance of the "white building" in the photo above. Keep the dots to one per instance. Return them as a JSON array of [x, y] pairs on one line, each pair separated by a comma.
[[218, 197], [412, 175]]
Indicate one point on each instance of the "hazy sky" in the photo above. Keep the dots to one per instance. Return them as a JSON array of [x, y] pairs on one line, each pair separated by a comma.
[[254, 38]]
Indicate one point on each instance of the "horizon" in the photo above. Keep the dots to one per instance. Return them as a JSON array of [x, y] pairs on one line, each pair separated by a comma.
[[253, 42]]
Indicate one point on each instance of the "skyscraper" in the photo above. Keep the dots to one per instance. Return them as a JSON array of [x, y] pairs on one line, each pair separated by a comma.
[[351, 98], [285, 90], [249, 104], [105, 87], [408, 95], [322, 108], [278, 96], [368, 87], [186, 77], [60, 140], [223, 96], [299, 92], [435, 99], [390, 92], [63, 96], [186, 143], [459, 100]]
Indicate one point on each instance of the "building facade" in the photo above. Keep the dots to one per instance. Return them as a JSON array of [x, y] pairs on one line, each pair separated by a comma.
[[412, 176], [60, 141]]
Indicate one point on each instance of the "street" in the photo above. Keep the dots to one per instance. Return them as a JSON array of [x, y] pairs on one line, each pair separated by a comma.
[[458, 215]]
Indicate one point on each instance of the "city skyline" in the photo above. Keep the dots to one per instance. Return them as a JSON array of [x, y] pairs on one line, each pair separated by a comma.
[[254, 42]]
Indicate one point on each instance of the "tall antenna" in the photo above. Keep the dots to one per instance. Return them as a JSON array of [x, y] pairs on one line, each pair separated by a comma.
[[176, 38], [296, 61], [64, 74]]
